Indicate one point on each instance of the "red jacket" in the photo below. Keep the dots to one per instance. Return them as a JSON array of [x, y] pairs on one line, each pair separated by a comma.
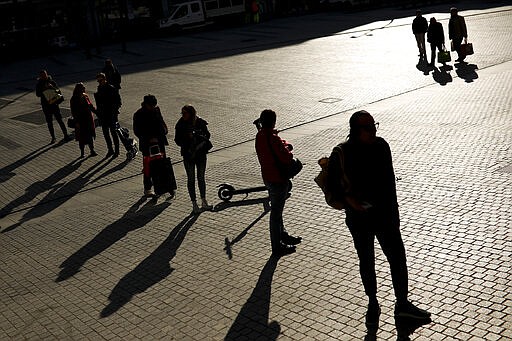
[[265, 139]]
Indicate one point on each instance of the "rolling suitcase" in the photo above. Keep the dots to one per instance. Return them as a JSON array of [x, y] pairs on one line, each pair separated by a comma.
[[130, 144], [161, 172]]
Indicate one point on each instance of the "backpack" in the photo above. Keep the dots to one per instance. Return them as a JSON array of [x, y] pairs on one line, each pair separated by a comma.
[[322, 180]]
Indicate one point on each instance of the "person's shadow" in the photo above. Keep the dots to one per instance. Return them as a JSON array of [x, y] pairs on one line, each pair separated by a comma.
[[405, 327], [253, 317], [135, 218], [442, 75], [151, 270], [36, 188], [423, 66], [58, 194], [466, 71], [7, 172]]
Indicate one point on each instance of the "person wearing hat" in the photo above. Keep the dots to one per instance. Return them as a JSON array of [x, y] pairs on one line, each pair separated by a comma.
[[149, 126], [457, 31]]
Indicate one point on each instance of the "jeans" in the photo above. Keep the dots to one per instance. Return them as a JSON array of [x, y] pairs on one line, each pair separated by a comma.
[[420, 41], [107, 131], [198, 162], [277, 193], [364, 227], [49, 112]]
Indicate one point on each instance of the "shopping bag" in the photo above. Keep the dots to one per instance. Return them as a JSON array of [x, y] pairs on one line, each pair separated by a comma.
[[467, 49], [53, 96], [444, 56]]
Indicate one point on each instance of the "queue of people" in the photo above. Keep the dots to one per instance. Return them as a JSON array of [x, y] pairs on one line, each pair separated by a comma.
[[457, 33]]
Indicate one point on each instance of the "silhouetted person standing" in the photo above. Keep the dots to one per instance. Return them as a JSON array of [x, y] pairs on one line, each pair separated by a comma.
[[108, 103], [112, 74], [271, 150], [45, 82], [419, 28], [366, 184], [457, 31], [435, 36], [81, 110]]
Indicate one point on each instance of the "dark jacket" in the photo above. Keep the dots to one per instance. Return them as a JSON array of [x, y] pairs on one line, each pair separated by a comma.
[[189, 134], [457, 27], [113, 76], [149, 124], [435, 34], [419, 25], [271, 150], [42, 85], [108, 103], [81, 110], [370, 175]]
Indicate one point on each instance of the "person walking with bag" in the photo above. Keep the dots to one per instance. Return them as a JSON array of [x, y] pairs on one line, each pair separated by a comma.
[[193, 137], [366, 185], [419, 28], [457, 31], [108, 103], [149, 126], [275, 153], [45, 84], [81, 110], [435, 36]]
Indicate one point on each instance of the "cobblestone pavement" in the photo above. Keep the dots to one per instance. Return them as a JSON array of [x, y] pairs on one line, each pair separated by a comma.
[[84, 257]]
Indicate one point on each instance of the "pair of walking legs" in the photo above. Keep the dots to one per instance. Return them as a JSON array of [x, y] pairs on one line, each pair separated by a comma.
[[108, 130], [420, 41], [433, 47]]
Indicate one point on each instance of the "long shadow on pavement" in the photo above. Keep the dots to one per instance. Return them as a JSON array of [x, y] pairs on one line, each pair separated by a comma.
[[135, 218], [58, 195], [151, 270], [7, 172], [466, 71], [253, 317]]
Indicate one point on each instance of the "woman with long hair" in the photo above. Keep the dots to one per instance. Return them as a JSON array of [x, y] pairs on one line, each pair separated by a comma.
[[82, 112]]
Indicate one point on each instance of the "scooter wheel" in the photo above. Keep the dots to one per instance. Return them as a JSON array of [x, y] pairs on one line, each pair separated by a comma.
[[225, 192]]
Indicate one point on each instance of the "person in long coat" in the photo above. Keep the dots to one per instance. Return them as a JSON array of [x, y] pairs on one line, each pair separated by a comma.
[[435, 36], [82, 112]]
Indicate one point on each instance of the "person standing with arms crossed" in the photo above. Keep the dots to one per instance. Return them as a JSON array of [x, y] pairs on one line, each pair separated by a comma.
[[366, 184]]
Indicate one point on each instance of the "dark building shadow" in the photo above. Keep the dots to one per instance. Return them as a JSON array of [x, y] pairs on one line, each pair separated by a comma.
[[7, 173], [59, 194], [442, 75], [466, 71], [405, 327], [151, 270], [135, 218], [253, 317]]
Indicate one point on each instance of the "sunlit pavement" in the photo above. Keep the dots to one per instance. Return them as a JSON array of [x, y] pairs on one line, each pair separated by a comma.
[[84, 257]]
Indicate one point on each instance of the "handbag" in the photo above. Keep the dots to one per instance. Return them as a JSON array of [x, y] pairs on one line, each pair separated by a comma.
[[53, 96], [287, 171], [444, 56], [322, 180], [467, 48], [71, 123]]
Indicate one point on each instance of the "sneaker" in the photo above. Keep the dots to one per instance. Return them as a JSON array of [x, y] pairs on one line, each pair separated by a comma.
[[410, 310], [93, 154], [291, 240], [116, 154], [372, 315], [67, 138], [149, 193], [110, 153], [205, 206], [172, 194], [195, 208], [284, 250]]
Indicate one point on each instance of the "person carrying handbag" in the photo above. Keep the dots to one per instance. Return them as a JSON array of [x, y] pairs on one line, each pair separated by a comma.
[[193, 137], [274, 154], [435, 36], [50, 110]]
